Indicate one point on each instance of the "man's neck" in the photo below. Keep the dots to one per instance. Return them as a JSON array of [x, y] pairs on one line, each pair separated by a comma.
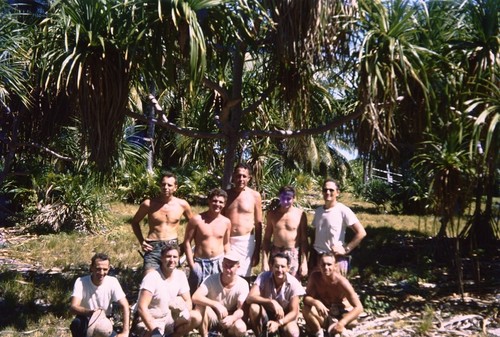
[[330, 204], [166, 272], [226, 280]]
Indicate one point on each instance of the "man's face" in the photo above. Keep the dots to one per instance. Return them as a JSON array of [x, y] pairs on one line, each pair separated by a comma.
[[168, 186], [170, 259], [330, 191], [279, 268], [241, 177], [217, 203], [327, 265], [229, 268], [286, 199], [98, 270]]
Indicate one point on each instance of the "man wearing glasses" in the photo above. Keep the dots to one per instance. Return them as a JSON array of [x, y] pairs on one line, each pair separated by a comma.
[[330, 223]]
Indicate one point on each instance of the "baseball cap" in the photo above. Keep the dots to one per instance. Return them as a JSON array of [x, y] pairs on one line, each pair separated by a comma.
[[232, 256]]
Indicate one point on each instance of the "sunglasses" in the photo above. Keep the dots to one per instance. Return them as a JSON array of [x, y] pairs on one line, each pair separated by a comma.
[[331, 190]]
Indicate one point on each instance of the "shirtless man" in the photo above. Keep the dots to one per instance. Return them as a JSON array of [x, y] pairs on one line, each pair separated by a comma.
[[323, 303], [244, 209], [210, 231], [287, 225], [164, 215]]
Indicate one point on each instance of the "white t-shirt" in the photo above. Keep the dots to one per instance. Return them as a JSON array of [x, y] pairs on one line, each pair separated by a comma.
[[164, 290], [94, 297], [330, 226], [177, 284], [230, 298]]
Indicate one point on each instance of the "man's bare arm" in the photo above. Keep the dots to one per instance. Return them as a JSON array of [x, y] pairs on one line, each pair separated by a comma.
[[123, 303], [141, 213], [188, 237], [258, 228], [77, 309], [359, 235], [303, 243], [266, 244]]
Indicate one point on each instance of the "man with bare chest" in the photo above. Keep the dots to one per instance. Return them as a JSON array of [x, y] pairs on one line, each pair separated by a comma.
[[287, 226], [164, 215], [244, 209], [210, 233], [323, 303]]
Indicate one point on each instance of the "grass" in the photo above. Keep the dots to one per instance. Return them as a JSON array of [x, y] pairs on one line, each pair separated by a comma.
[[38, 302]]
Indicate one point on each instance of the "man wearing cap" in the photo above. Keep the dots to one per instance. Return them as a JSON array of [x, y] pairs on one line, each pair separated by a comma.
[[164, 305], [274, 299], [95, 293], [220, 300]]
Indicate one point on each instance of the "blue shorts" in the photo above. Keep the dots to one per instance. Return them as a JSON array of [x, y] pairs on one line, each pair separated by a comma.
[[152, 259], [202, 269]]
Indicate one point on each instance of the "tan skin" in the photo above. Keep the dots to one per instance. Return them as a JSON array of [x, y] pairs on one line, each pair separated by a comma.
[[244, 210], [163, 213], [228, 279], [210, 232], [285, 317], [287, 226], [98, 270], [325, 288], [169, 262]]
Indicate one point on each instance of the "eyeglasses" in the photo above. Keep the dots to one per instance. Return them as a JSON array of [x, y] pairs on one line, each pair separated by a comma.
[[331, 190]]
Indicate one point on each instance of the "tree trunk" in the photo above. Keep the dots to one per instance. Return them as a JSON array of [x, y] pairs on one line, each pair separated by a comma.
[[233, 135]]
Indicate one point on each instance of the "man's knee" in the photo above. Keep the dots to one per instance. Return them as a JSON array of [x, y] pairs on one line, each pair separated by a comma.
[[239, 329], [78, 326]]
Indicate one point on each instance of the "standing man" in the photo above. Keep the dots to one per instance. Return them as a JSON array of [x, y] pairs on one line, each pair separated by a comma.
[[323, 303], [330, 223], [164, 305], [244, 209], [164, 215], [220, 300], [94, 293], [210, 231], [274, 299], [287, 225]]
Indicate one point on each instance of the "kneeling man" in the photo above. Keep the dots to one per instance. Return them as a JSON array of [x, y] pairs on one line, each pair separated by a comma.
[[274, 299], [164, 304], [323, 303], [220, 300]]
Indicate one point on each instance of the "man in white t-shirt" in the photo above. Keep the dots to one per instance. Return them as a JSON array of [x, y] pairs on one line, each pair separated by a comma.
[[164, 304], [220, 299], [94, 292], [274, 299], [330, 223]]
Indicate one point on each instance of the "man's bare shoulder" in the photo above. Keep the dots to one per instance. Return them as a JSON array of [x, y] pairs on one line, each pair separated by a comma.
[[181, 202]]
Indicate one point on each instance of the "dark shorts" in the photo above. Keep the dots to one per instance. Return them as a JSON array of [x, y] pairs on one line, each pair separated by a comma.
[[152, 259]]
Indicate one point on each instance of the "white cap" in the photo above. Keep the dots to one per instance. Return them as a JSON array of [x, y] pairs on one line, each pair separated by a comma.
[[232, 256]]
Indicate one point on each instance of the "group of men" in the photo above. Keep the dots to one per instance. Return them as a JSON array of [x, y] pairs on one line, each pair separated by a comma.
[[221, 246]]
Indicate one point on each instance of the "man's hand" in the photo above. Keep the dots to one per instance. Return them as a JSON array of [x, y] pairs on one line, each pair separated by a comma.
[[321, 308], [335, 328], [146, 247], [221, 311], [228, 321], [278, 310], [272, 326]]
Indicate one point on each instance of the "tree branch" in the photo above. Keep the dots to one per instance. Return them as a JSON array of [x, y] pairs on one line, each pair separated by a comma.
[[46, 149]]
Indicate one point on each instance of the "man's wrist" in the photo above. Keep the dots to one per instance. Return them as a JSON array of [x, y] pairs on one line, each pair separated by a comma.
[[280, 322]]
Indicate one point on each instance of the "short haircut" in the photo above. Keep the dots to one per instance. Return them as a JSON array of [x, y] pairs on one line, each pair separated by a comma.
[[168, 174], [217, 192], [99, 256], [280, 255], [330, 180], [328, 254], [168, 247], [243, 166], [287, 189]]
